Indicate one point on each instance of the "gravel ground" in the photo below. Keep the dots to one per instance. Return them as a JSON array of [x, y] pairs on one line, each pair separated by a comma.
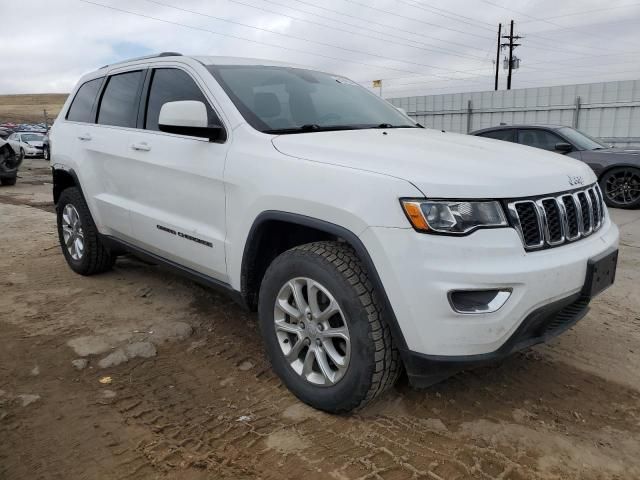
[[138, 373]]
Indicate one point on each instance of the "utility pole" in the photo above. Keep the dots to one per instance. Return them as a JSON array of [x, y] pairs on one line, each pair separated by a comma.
[[511, 37], [498, 55]]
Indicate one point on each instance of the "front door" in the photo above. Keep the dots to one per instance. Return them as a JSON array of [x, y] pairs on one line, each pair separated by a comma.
[[178, 206]]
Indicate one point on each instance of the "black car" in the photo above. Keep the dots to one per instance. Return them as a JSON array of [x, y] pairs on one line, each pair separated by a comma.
[[617, 169]]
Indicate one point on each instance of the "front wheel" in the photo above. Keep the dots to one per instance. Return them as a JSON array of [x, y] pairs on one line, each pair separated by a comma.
[[323, 330], [45, 154], [621, 187], [22, 155]]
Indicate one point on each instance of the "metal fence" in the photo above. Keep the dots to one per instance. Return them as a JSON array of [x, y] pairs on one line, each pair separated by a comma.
[[608, 110]]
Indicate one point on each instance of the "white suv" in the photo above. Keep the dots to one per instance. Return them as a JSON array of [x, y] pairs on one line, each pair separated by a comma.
[[366, 242]]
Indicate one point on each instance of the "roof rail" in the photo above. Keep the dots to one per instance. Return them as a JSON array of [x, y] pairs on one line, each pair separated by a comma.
[[156, 55]]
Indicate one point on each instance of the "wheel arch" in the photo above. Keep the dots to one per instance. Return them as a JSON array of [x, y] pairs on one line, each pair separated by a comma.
[[274, 232], [64, 178], [608, 168]]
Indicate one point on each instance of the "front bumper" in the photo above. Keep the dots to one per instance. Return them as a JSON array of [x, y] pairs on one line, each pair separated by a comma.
[[418, 270]]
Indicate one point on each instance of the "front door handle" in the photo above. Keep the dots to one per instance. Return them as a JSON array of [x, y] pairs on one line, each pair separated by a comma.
[[141, 147], [85, 137]]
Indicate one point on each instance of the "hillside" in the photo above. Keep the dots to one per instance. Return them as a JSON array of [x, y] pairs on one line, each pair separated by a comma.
[[30, 107]]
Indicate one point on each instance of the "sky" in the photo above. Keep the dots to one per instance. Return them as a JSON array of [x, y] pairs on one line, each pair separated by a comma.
[[416, 47]]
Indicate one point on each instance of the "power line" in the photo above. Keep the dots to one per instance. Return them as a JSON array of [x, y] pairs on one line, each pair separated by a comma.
[[260, 42], [448, 15], [435, 50], [488, 2], [324, 44], [373, 22], [386, 12], [581, 12]]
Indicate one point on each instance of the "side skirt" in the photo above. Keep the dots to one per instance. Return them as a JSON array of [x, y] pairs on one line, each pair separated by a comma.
[[121, 246]]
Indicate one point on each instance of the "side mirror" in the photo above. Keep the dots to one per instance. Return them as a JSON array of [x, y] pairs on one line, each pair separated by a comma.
[[188, 117], [563, 147]]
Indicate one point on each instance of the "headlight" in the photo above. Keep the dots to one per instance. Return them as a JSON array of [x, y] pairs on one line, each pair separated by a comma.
[[453, 217]]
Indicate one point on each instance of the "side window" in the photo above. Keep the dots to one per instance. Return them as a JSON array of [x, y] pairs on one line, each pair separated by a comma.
[[172, 85], [119, 104], [80, 109], [505, 134], [539, 139]]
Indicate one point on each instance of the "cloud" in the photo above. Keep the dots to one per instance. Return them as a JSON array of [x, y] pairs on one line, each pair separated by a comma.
[[417, 47]]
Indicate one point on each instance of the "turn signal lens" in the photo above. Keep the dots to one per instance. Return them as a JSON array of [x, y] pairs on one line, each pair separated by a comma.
[[414, 214]]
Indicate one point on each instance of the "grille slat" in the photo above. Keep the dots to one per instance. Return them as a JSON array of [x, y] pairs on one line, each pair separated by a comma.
[[553, 221]]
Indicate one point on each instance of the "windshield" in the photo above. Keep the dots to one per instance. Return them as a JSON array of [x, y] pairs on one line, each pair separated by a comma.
[[32, 137], [291, 100], [581, 140]]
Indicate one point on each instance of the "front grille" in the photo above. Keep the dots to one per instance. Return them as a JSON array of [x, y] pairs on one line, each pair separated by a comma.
[[553, 221]]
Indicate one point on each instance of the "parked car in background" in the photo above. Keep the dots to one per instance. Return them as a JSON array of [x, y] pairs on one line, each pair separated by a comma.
[[617, 169], [9, 163], [27, 144], [4, 134]]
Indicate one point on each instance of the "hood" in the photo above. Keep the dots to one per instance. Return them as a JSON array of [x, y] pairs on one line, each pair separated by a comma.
[[444, 165], [34, 143]]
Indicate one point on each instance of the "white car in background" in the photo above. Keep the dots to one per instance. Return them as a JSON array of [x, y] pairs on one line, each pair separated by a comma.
[[27, 144]]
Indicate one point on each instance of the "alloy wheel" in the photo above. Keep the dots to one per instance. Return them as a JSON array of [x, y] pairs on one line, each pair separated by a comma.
[[312, 331], [72, 232], [623, 187]]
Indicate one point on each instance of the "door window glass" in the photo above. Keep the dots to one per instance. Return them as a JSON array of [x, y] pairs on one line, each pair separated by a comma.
[[80, 109], [119, 105], [173, 85], [539, 139]]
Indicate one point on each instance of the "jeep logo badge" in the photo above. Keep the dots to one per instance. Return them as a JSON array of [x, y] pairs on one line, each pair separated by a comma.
[[575, 180]]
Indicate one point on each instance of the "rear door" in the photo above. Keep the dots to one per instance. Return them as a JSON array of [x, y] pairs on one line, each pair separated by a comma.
[[105, 147], [178, 207]]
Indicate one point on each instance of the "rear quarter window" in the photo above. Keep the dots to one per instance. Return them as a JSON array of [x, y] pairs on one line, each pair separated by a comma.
[[82, 104]]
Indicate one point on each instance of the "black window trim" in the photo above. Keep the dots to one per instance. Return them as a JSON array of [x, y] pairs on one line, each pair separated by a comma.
[[103, 88], [146, 91], [93, 106]]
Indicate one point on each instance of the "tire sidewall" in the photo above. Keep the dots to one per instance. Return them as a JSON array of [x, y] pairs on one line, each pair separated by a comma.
[[73, 197], [354, 385]]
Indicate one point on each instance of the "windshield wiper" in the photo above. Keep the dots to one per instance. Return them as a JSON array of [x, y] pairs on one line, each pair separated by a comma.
[[388, 125], [312, 127]]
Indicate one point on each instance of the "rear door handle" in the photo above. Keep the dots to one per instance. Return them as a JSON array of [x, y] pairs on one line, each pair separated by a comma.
[[141, 147], [85, 136]]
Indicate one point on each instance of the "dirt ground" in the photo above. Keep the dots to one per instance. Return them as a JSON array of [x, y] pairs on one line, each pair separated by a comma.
[[194, 398]]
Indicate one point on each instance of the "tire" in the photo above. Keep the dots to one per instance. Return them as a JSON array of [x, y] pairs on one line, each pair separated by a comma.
[[22, 155], [45, 154], [94, 257], [621, 187], [8, 181], [372, 363]]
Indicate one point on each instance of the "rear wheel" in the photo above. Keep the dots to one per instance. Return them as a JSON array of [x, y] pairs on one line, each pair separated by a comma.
[[7, 181], [82, 247], [323, 330], [621, 187]]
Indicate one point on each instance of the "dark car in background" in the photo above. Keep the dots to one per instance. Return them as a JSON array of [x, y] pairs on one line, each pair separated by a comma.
[[617, 169]]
